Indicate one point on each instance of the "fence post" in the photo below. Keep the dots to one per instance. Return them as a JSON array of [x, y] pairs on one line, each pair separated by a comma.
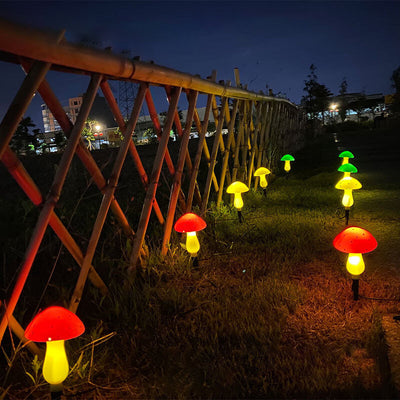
[[155, 175]]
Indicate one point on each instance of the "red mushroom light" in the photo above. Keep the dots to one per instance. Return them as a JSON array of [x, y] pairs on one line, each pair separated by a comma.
[[190, 223], [355, 241], [54, 325]]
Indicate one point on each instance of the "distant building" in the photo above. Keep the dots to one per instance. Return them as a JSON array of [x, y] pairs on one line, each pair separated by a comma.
[[100, 112], [106, 132], [359, 106]]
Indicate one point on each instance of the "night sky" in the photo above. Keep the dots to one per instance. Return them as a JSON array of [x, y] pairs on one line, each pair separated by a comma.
[[272, 43]]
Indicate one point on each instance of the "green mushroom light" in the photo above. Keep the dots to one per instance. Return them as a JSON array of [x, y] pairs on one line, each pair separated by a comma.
[[347, 169], [287, 158], [346, 155]]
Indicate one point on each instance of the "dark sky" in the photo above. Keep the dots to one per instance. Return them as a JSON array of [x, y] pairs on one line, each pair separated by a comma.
[[271, 42]]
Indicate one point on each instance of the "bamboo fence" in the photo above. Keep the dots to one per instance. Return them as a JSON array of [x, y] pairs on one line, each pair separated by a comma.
[[259, 127]]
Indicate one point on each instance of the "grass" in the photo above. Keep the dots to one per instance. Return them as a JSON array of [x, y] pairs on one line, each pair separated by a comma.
[[269, 311]]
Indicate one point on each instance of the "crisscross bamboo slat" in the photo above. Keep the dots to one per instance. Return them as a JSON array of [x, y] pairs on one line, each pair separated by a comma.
[[257, 126]]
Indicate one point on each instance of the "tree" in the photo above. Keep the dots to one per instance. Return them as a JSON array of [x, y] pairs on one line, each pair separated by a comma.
[[22, 139], [88, 132], [316, 99], [60, 140], [343, 101], [395, 78]]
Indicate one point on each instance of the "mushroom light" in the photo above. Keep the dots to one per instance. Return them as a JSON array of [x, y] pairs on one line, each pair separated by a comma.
[[347, 169], [54, 325], [348, 184], [287, 158], [346, 155], [355, 241], [190, 223], [237, 188], [261, 172]]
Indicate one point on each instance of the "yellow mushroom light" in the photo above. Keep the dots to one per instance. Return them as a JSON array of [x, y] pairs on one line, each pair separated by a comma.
[[237, 188], [348, 184], [262, 172]]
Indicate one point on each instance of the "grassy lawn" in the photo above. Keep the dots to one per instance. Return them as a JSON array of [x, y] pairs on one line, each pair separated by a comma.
[[269, 312]]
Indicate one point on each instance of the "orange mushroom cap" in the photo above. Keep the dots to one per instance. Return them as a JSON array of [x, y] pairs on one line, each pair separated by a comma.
[[190, 222], [54, 323], [355, 240]]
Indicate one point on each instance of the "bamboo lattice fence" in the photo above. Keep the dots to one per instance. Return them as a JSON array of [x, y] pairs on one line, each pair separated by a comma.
[[258, 128]]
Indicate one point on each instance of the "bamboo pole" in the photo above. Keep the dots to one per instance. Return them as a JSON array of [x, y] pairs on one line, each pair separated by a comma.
[[266, 108], [176, 185], [267, 134], [20, 103], [225, 167], [254, 147], [205, 149], [51, 201], [155, 175], [157, 126], [17, 329], [246, 139], [105, 87], [236, 161], [200, 147], [23, 98], [21, 176], [107, 198], [167, 158], [213, 157], [216, 116], [36, 44], [82, 152]]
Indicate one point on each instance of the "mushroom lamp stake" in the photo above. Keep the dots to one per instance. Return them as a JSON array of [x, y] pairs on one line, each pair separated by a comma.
[[237, 188], [190, 223], [54, 325], [287, 158], [261, 172], [348, 184], [355, 241], [346, 155]]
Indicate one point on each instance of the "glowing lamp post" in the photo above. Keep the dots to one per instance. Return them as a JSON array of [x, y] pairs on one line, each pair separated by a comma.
[[347, 169], [346, 155], [191, 223], [261, 172], [54, 325], [355, 241], [287, 158], [237, 188], [348, 184]]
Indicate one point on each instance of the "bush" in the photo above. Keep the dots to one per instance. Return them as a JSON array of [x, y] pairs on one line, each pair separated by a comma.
[[350, 126]]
